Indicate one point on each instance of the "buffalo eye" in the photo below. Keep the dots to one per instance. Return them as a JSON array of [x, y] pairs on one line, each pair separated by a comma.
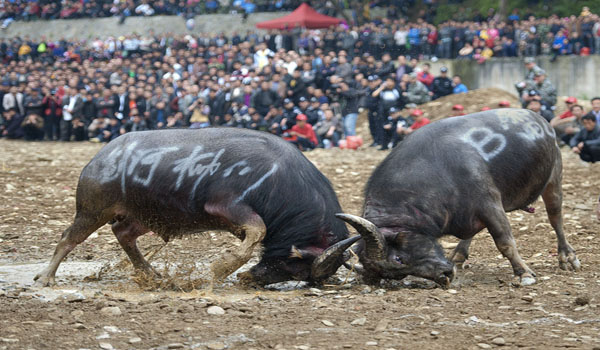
[[398, 259]]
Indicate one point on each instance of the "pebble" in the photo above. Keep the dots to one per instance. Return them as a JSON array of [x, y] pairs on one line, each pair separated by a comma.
[[435, 333], [106, 346], [302, 347], [111, 329], [216, 346], [452, 291], [103, 336], [499, 341], [339, 171], [135, 340], [111, 311], [527, 298], [215, 310], [175, 346], [79, 326], [359, 321], [74, 297], [484, 346], [379, 292], [371, 343], [9, 340], [77, 313], [327, 323], [582, 300]]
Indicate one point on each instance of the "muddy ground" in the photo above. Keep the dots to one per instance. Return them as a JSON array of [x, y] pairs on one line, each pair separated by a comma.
[[481, 310]]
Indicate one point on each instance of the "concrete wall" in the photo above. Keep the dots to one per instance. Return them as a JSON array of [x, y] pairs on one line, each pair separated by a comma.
[[571, 75], [90, 28]]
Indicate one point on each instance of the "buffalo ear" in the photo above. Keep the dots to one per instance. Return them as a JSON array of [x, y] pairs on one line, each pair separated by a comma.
[[331, 259]]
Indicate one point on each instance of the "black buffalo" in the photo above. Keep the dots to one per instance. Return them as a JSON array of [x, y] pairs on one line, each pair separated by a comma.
[[175, 182], [456, 177]]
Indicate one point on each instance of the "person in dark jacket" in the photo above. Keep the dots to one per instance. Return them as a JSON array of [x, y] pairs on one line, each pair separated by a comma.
[[586, 142], [264, 98], [349, 105], [11, 127], [442, 85]]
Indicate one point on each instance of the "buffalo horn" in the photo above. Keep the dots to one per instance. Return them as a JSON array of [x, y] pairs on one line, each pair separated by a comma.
[[375, 244], [330, 260]]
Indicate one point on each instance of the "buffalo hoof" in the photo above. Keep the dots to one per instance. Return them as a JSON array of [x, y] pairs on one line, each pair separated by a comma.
[[42, 280], [568, 261], [526, 279], [246, 279]]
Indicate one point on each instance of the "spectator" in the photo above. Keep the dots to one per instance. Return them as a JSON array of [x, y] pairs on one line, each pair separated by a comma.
[[72, 107], [442, 85], [586, 143], [424, 76], [457, 86], [416, 91], [567, 125], [546, 90], [536, 106], [419, 121], [11, 126], [329, 129], [393, 129], [595, 109], [302, 134]]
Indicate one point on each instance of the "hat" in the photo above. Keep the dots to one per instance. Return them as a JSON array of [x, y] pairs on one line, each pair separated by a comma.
[[301, 117], [411, 105], [539, 72], [393, 110], [571, 99], [504, 103], [458, 108], [302, 99], [529, 60], [485, 108], [314, 99], [444, 70], [286, 101], [533, 92], [413, 75], [417, 112]]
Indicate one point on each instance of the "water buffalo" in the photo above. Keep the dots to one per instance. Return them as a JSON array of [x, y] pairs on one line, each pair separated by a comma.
[[456, 177], [175, 182]]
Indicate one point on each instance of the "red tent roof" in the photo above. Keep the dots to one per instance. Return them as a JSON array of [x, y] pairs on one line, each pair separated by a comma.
[[304, 16]]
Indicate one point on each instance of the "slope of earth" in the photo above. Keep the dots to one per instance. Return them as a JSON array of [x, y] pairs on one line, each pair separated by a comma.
[[481, 310]]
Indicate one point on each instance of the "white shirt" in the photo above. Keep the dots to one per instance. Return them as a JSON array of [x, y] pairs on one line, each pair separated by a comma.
[[67, 116]]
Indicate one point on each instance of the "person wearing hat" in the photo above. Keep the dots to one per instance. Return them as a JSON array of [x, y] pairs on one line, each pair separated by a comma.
[[302, 134], [416, 92], [569, 102], [442, 85], [392, 128], [419, 121], [328, 129], [371, 103], [313, 111], [458, 110], [568, 124], [546, 90], [530, 68], [289, 115], [504, 104]]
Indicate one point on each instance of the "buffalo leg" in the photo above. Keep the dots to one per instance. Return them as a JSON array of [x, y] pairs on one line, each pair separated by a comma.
[[83, 226], [245, 224], [127, 231], [552, 197], [499, 227], [461, 252]]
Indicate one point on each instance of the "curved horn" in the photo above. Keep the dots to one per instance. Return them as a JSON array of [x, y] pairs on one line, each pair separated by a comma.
[[330, 260], [375, 244]]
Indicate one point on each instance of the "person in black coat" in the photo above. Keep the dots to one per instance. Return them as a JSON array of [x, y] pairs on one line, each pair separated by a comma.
[[442, 85]]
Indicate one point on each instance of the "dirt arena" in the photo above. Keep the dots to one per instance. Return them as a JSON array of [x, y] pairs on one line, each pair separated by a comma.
[[97, 304]]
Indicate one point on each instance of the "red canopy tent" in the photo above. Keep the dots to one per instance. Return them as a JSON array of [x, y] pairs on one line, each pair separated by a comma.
[[304, 16]]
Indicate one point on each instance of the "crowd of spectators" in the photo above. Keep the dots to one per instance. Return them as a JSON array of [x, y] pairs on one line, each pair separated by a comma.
[[70, 91], [306, 86]]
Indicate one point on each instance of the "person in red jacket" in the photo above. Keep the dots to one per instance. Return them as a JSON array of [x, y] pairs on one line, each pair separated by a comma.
[[302, 134], [425, 77]]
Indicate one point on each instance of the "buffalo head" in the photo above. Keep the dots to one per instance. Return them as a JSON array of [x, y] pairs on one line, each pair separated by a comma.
[[394, 255]]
